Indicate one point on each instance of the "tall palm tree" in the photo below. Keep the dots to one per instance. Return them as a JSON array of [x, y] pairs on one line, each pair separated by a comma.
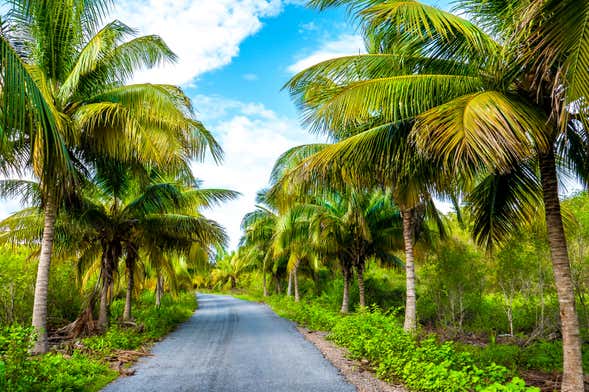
[[505, 95], [84, 110]]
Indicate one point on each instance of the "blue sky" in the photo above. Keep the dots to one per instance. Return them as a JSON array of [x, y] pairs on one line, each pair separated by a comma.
[[234, 57]]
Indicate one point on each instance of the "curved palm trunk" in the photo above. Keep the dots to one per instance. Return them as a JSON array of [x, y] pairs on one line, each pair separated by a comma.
[[289, 287], [346, 295], [42, 284], [572, 379], [295, 278], [361, 289], [130, 264], [410, 304]]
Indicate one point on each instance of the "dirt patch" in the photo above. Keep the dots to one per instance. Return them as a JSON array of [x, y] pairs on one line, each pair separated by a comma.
[[357, 373]]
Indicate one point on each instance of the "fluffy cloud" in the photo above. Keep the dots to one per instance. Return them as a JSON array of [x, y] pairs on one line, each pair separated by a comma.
[[344, 45], [253, 137], [204, 34]]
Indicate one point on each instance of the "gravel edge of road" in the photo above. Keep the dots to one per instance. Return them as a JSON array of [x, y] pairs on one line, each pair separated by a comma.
[[357, 373]]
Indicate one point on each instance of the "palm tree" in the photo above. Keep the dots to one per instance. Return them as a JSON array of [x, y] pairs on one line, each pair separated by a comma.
[[157, 220], [84, 110], [259, 227], [119, 217], [506, 97], [354, 226]]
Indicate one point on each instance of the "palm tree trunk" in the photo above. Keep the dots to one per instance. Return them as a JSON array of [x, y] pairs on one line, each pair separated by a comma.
[[289, 287], [361, 289], [295, 278], [159, 288], [105, 277], [410, 305], [572, 378], [103, 310], [264, 278], [346, 295], [130, 285], [42, 284]]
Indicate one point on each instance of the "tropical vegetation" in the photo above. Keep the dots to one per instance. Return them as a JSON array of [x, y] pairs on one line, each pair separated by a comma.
[[482, 109]]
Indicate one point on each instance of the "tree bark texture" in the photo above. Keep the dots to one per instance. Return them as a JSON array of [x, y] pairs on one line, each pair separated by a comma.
[[572, 379], [42, 284], [410, 304]]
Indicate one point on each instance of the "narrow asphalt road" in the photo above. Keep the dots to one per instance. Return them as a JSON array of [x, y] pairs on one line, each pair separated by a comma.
[[233, 345]]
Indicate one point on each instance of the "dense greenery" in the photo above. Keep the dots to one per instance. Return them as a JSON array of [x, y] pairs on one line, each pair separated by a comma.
[[422, 365], [484, 107], [500, 308], [112, 210], [83, 367]]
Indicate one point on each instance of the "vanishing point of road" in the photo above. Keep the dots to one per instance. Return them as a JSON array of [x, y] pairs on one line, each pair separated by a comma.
[[233, 345]]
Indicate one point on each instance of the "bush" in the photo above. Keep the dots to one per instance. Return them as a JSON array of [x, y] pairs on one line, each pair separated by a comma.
[[51, 372], [422, 365], [544, 356], [86, 370], [152, 323]]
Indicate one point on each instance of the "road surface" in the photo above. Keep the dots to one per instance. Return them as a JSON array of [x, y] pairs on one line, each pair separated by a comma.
[[233, 345]]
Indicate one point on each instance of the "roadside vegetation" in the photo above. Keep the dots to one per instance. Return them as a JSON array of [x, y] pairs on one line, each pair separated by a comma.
[[98, 264], [498, 312], [483, 108]]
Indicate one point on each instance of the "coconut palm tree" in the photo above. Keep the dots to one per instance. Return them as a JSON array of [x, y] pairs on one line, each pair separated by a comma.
[[81, 108], [121, 218], [154, 220], [259, 227], [505, 95]]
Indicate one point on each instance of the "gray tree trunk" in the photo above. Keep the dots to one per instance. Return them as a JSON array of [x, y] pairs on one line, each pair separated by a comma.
[[42, 285], [295, 278], [361, 289], [572, 378], [159, 291], [127, 314], [264, 284], [346, 295], [410, 305], [105, 284], [289, 287]]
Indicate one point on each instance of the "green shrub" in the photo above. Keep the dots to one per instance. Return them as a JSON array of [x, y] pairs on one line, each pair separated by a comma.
[[86, 371], [51, 372], [422, 365]]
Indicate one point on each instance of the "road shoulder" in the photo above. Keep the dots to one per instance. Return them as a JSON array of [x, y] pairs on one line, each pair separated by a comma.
[[355, 372]]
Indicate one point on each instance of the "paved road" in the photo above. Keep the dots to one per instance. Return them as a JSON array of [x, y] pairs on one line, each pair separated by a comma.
[[233, 345]]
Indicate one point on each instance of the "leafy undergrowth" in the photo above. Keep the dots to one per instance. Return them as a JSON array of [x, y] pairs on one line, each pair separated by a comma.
[[85, 367], [420, 364]]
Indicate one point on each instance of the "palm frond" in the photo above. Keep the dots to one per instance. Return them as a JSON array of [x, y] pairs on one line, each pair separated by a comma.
[[501, 203], [487, 129]]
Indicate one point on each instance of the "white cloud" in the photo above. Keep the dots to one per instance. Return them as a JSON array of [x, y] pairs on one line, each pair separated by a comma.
[[250, 77], [345, 45], [204, 34], [253, 137]]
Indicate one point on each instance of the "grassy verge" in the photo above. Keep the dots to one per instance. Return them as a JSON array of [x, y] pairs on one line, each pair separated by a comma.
[[420, 364], [84, 367]]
